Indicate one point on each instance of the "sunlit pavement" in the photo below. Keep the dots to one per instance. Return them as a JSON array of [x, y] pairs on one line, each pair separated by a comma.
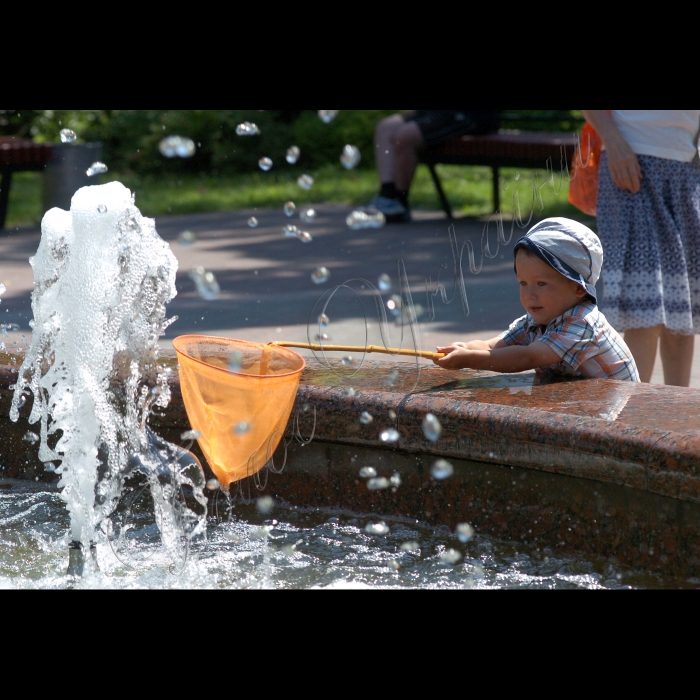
[[267, 292]]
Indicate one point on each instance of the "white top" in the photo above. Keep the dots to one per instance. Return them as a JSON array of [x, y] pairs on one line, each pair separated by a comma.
[[664, 133]]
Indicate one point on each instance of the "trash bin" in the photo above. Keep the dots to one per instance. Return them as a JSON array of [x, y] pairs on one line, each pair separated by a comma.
[[65, 173]]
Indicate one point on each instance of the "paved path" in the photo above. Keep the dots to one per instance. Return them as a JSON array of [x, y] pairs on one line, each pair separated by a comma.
[[267, 291]]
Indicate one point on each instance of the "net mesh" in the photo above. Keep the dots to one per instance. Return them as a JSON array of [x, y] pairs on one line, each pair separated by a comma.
[[220, 402]]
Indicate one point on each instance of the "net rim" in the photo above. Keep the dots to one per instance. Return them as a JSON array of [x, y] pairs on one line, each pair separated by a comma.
[[216, 338]]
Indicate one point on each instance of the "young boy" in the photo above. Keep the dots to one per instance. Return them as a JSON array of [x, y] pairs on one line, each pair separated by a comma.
[[557, 265]]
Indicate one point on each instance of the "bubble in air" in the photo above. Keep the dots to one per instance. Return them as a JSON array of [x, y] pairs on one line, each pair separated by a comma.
[[290, 208], [290, 230], [366, 418], [67, 135], [323, 321], [431, 427], [29, 436], [306, 182], [378, 528], [252, 222], [307, 215], [368, 472], [213, 484], [347, 361], [350, 156], [102, 208], [441, 469], [450, 556], [205, 282], [265, 504], [235, 361], [304, 236], [177, 146], [390, 435], [409, 546], [242, 427], [384, 282], [190, 435], [247, 129], [292, 155], [265, 163], [322, 337], [464, 532], [186, 238], [378, 483], [50, 467], [96, 168], [327, 115], [320, 275], [365, 218]]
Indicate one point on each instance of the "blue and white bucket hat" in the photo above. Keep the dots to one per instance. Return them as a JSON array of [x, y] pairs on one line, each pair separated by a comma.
[[569, 247]]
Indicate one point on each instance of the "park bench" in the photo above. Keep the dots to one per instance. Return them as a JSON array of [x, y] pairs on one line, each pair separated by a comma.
[[18, 154], [507, 148]]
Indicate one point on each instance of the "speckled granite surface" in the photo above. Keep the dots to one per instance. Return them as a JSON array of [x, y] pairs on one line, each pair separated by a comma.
[[598, 466]]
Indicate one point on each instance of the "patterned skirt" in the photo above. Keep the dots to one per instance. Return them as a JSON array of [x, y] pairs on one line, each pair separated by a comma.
[[651, 247]]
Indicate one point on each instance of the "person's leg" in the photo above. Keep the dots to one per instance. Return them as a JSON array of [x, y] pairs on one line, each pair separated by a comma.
[[408, 140], [676, 357], [384, 143], [643, 343]]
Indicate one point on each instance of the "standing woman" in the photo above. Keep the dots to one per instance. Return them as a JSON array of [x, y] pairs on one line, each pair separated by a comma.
[[649, 223]]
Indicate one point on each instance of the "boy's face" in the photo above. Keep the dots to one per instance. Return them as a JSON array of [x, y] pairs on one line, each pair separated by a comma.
[[545, 293]]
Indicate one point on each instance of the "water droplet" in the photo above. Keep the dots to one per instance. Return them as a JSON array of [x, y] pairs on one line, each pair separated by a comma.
[[290, 230], [307, 215], [389, 435], [29, 436], [205, 282], [392, 377], [327, 115], [304, 236], [22, 401], [167, 370], [347, 361], [50, 467], [395, 480], [378, 483], [190, 435], [450, 556], [67, 135], [368, 472], [323, 321], [290, 208], [350, 156], [235, 361], [306, 182], [247, 129], [384, 282], [252, 222], [378, 528], [242, 427], [464, 532], [441, 469], [177, 146], [186, 238], [96, 168], [409, 546], [349, 392], [366, 418], [293, 154], [213, 484], [320, 275], [365, 218], [322, 337], [431, 427], [102, 208], [265, 505], [265, 163]]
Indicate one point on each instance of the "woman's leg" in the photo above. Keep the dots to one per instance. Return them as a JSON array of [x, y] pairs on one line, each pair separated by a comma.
[[384, 143], [642, 343], [408, 140], [676, 357]]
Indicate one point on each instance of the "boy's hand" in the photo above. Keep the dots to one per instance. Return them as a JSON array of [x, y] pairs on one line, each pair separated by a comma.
[[455, 355]]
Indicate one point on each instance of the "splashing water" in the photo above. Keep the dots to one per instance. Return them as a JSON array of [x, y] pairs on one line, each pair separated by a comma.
[[177, 147], [361, 218], [96, 168], [350, 156], [206, 283], [320, 275], [252, 222], [293, 154], [289, 209], [186, 238], [247, 129], [265, 163], [306, 182], [327, 115], [307, 215], [101, 282], [67, 135]]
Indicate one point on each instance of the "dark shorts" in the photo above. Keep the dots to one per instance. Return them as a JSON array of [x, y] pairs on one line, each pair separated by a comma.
[[437, 125]]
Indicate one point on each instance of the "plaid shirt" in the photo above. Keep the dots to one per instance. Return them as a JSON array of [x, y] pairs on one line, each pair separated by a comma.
[[587, 344]]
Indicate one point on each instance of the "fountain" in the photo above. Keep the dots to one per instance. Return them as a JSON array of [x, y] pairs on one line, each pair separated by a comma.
[[102, 277]]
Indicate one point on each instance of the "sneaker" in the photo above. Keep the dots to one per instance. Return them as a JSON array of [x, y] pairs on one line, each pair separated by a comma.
[[392, 209]]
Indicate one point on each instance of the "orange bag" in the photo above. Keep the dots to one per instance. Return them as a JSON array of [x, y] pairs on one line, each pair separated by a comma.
[[583, 187], [240, 414]]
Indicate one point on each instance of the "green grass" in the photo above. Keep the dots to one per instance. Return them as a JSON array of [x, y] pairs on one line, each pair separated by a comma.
[[467, 188]]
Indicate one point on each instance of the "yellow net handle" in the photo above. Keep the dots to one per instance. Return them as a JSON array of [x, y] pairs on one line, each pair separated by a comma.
[[359, 349]]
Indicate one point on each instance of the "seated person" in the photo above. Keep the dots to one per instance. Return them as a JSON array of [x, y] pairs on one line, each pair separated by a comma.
[[557, 265], [398, 139]]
